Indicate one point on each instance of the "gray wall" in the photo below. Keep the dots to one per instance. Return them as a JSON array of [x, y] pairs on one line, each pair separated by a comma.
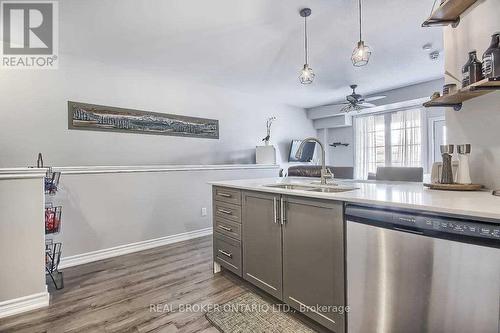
[[37, 122], [107, 55], [478, 122], [341, 156], [21, 238], [101, 211]]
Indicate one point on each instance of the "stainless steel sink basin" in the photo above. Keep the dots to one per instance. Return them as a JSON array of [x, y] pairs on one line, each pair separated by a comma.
[[290, 187], [324, 189], [331, 189]]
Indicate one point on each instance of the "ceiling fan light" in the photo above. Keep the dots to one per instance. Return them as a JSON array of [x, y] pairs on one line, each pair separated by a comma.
[[306, 75], [361, 54], [350, 108]]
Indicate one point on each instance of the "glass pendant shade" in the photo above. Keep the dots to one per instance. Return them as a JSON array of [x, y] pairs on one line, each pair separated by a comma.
[[361, 54], [306, 75]]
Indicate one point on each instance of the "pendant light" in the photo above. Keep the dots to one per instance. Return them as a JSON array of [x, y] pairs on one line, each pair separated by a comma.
[[306, 74], [361, 54]]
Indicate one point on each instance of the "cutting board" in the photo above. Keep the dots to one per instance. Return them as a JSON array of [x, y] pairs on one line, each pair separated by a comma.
[[454, 187]]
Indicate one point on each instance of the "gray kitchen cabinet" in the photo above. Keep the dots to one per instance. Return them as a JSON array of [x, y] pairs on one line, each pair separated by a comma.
[[313, 259], [227, 229], [262, 242], [227, 252], [292, 248]]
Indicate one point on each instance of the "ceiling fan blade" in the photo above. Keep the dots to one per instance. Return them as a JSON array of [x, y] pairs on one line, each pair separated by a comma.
[[344, 103], [374, 98], [367, 105]]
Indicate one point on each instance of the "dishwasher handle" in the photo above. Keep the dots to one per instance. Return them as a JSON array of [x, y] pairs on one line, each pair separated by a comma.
[[417, 232], [354, 212]]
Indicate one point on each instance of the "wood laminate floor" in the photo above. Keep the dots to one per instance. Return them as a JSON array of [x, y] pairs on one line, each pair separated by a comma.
[[115, 295]]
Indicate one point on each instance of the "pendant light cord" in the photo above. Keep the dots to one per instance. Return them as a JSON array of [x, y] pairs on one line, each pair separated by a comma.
[[432, 9], [305, 39], [360, 39]]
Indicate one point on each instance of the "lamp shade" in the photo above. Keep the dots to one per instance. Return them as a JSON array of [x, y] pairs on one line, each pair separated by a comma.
[[306, 75], [361, 54]]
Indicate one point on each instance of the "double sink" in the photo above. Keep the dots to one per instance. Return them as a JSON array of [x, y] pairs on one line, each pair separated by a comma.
[[313, 188]]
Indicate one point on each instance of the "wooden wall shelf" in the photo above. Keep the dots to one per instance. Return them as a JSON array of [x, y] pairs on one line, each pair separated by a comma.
[[455, 100], [448, 13]]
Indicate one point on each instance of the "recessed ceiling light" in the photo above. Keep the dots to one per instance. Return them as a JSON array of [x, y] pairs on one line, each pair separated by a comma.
[[427, 47]]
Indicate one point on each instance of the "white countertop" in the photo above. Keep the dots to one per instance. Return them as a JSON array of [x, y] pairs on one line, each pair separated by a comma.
[[481, 204]]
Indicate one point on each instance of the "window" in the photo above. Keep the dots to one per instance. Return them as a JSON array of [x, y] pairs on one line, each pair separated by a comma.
[[436, 136], [389, 139]]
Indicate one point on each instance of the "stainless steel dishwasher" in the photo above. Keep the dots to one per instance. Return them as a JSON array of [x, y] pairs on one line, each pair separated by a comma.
[[420, 272]]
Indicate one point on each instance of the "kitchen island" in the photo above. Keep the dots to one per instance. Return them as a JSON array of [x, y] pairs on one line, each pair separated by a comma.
[[314, 247]]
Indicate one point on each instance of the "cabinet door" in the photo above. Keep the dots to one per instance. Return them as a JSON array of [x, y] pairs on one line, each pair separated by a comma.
[[313, 259], [262, 260]]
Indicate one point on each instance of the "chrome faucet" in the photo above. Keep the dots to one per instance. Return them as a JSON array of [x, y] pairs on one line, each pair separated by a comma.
[[325, 173]]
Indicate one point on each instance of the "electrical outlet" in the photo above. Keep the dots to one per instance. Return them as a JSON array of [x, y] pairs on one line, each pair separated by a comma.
[[203, 211]]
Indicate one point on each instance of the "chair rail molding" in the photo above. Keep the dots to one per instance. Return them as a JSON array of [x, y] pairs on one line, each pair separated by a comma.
[[20, 173], [69, 170]]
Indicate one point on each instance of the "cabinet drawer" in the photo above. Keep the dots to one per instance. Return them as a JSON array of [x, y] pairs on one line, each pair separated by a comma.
[[227, 252], [227, 211], [227, 195], [228, 228]]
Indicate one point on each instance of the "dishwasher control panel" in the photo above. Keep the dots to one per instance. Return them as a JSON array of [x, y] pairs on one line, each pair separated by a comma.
[[428, 224], [466, 228]]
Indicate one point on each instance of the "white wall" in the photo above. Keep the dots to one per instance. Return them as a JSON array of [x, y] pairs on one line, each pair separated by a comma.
[[21, 238], [478, 122], [34, 118], [341, 155]]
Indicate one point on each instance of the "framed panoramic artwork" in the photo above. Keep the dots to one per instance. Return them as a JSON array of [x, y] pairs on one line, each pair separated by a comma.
[[82, 116]]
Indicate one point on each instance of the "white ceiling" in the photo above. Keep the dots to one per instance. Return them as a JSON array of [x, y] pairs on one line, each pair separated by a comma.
[[256, 46]]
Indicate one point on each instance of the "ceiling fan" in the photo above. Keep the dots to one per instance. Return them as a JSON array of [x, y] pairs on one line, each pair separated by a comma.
[[356, 102]]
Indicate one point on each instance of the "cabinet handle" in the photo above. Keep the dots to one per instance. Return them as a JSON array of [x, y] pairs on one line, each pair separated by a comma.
[[227, 254], [282, 208], [275, 209], [225, 228], [226, 195], [228, 212]]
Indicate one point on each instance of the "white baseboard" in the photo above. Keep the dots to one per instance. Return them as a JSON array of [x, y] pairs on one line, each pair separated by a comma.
[[24, 304], [88, 257]]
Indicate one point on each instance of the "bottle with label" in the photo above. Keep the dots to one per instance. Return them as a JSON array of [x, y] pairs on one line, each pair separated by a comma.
[[465, 73], [472, 70], [491, 58]]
